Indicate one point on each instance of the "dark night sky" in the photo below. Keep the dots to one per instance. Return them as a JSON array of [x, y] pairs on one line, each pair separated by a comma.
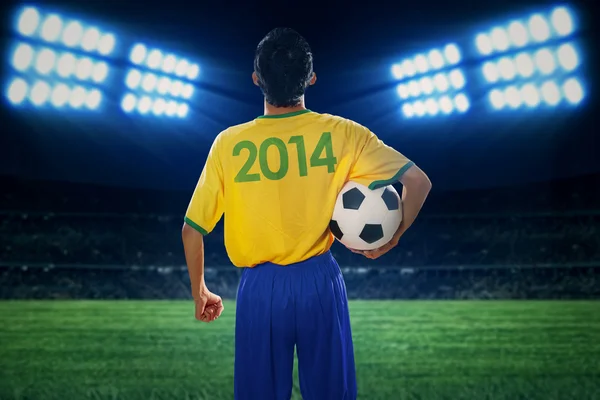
[[354, 46]]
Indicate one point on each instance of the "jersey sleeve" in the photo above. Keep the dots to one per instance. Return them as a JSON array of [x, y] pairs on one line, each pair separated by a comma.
[[206, 206], [375, 163]]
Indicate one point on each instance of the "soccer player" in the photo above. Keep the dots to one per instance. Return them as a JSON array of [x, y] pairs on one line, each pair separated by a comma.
[[276, 179]]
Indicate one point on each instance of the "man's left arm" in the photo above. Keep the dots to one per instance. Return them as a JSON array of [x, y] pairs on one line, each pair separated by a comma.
[[209, 306], [203, 213]]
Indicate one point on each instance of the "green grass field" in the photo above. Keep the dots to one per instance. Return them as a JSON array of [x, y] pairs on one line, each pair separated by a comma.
[[404, 350]]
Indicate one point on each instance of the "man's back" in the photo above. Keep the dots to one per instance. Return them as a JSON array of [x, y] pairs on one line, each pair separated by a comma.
[[277, 179]]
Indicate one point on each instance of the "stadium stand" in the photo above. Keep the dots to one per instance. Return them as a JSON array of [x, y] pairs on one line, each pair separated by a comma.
[[63, 240]]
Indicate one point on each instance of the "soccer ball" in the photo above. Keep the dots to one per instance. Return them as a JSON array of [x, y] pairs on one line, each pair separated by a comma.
[[365, 219]]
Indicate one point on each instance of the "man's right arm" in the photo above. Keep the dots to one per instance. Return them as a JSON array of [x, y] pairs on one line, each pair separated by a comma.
[[378, 165], [416, 187]]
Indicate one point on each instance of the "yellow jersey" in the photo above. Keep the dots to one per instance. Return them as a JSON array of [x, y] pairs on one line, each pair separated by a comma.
[[277, 178]]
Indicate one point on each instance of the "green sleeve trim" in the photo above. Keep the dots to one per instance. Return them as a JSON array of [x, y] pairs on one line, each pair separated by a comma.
[[393, 179], [195, 226]]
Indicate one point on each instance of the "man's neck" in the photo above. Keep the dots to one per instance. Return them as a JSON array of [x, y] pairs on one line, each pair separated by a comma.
[[272, 110]]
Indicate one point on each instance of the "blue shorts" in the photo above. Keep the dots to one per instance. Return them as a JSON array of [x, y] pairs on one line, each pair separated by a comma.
[[302, 305]]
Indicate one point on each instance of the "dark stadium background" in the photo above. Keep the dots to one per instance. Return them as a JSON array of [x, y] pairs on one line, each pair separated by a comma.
[[91, 208]]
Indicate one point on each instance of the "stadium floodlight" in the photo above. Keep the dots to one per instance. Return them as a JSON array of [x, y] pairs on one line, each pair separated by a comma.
[[155, 59], [497, 99], [562, 21], [72, 34], [446, 105], [144, 105], [54, 29], [188, 91], [182, 110], [457, 79], [181, 68], [573, 91], [133, 79], [549, 61], [176, 89], [167, 76], [414, 89], [426, 84], [407, 110], [164, 85], [51, 66], [421, 64], [544, 60], [60, 95], [39, 94], [45, 61], [461, 102], [567, 57], [517, 33], [169, 63], [29, 21], [22, 57], [100, 72], [171, 108], [106, 44], [490, 72], [149, 82], [535, 29], [506, 68], [66, 65], [84, 69], [500, 39], [436, 59], [159, 107], [193, 72], [530, 95], [513, 97], [397, 71], [452, 54], [17, 91], [77, 98], [409, 69], [550, 93], [128, 103], [138, 54], [419, 108], [51, 28], [441, 83], [539, 28], [484, 44], [431, 106], [57, 95], [90, 39], [93, 99], [403, 92], [524, 65]]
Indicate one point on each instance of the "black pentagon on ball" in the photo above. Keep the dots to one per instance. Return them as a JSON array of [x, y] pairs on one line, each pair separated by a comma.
[[352, 199], [371, 233], [335, 229], [390, 199]]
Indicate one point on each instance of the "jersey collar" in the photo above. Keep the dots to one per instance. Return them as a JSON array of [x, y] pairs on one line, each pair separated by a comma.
[[286, 115]]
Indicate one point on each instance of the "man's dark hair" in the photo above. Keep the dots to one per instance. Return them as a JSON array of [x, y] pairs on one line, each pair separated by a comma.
[[284, 66]]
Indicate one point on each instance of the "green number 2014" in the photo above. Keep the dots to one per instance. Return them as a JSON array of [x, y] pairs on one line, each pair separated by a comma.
[[317, 159]]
